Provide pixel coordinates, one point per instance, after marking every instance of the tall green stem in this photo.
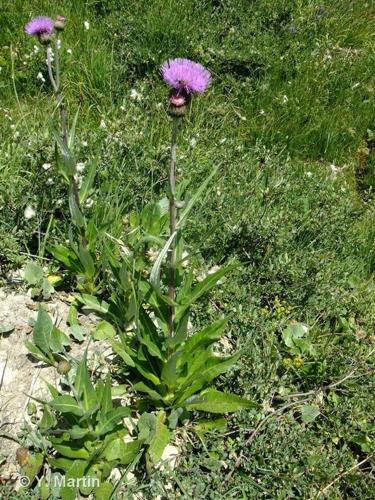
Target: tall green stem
(56, 84)
(172, 227)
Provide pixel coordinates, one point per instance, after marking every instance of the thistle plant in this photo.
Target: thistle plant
(76, 258)
(174, 367)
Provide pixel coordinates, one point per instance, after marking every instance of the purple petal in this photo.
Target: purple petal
(186, 74)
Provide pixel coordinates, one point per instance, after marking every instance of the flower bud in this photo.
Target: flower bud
(60, 23)
(178, 101)
(22, 456)
(63, 367)
(45, 38)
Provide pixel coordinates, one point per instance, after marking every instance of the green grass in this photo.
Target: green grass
(292, 94)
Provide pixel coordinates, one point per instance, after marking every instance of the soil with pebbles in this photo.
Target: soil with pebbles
(21, 376)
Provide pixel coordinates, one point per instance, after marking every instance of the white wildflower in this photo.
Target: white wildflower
(16, 135)
(333, 168)
(89, 203)
(69, 51)
(84, 144)
(36, 49)
(40, 77)
(80, 167)
(285, 99)
(46, 166)
(152, 254)
(49, 181)
(309, 174)
(102, 124)
(135, 95)
(29, 212)
(86, 25)
(58, 43)
(193, 142)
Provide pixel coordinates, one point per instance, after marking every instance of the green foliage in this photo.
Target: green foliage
(34, 276)
(85, 432)
(48, 341)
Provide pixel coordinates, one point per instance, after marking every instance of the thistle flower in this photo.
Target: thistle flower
(42, 27)
(186, 75)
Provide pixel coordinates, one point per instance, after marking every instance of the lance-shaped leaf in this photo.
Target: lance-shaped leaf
(43, 330)
(193, 200)
(66, 404)
(214, 401)
(203, 287)
(155, 271)
(160, 439)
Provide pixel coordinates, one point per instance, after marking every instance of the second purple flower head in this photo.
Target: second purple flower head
(39, 26)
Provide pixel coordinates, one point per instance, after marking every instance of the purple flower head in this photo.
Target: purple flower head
(186, 75)
(39, 26)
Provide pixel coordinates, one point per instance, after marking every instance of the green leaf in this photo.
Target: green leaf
(155, 271)
(160, 439)
(42, 330)
(203, 376)
(88, 181)
(66, 404)
(75, 211)
(33, 466)
(104, 491)
(142, 387)
(66, 450)
(87, 261)
(93, 303)
(309, 413)
(72, 131)
(33, 273)
(203, 287)
(85, 389)
(204, 338)
(38, 353)
(120, 451)
(193, 200)
(47, 289)
(66, 257)
(111, 419)
(106, 398)
(104, 331)
(48, 420)
(168, 374)
(121, 351)
(214, 401)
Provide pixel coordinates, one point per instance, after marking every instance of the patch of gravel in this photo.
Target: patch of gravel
(21, 376)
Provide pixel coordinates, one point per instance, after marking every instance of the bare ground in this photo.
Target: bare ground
(21, 376)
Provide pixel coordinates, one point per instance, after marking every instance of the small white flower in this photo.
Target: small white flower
(102, 124)
(262, 112)
(40, 77)
(89, 203)
(218, 192)
(84, 144)
(49, 181)
(285, 99)
(122, 108)
(135, 95)
(13, 126)
(58, 43)
(59, 202)
(46, 166)
(29, 212)
(152, 254)
(309, 174)
(193, 142)
(80, 167)
(16, 135)
(222, 140)
(86, 25)
(36, 49)
(333, 168)
(69, 51)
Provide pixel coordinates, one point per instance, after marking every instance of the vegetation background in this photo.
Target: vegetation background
(289, 121)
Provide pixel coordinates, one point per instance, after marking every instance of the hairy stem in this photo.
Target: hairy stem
(172, 228)
(56, 84)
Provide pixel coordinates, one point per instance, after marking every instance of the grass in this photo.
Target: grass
(292, 94)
